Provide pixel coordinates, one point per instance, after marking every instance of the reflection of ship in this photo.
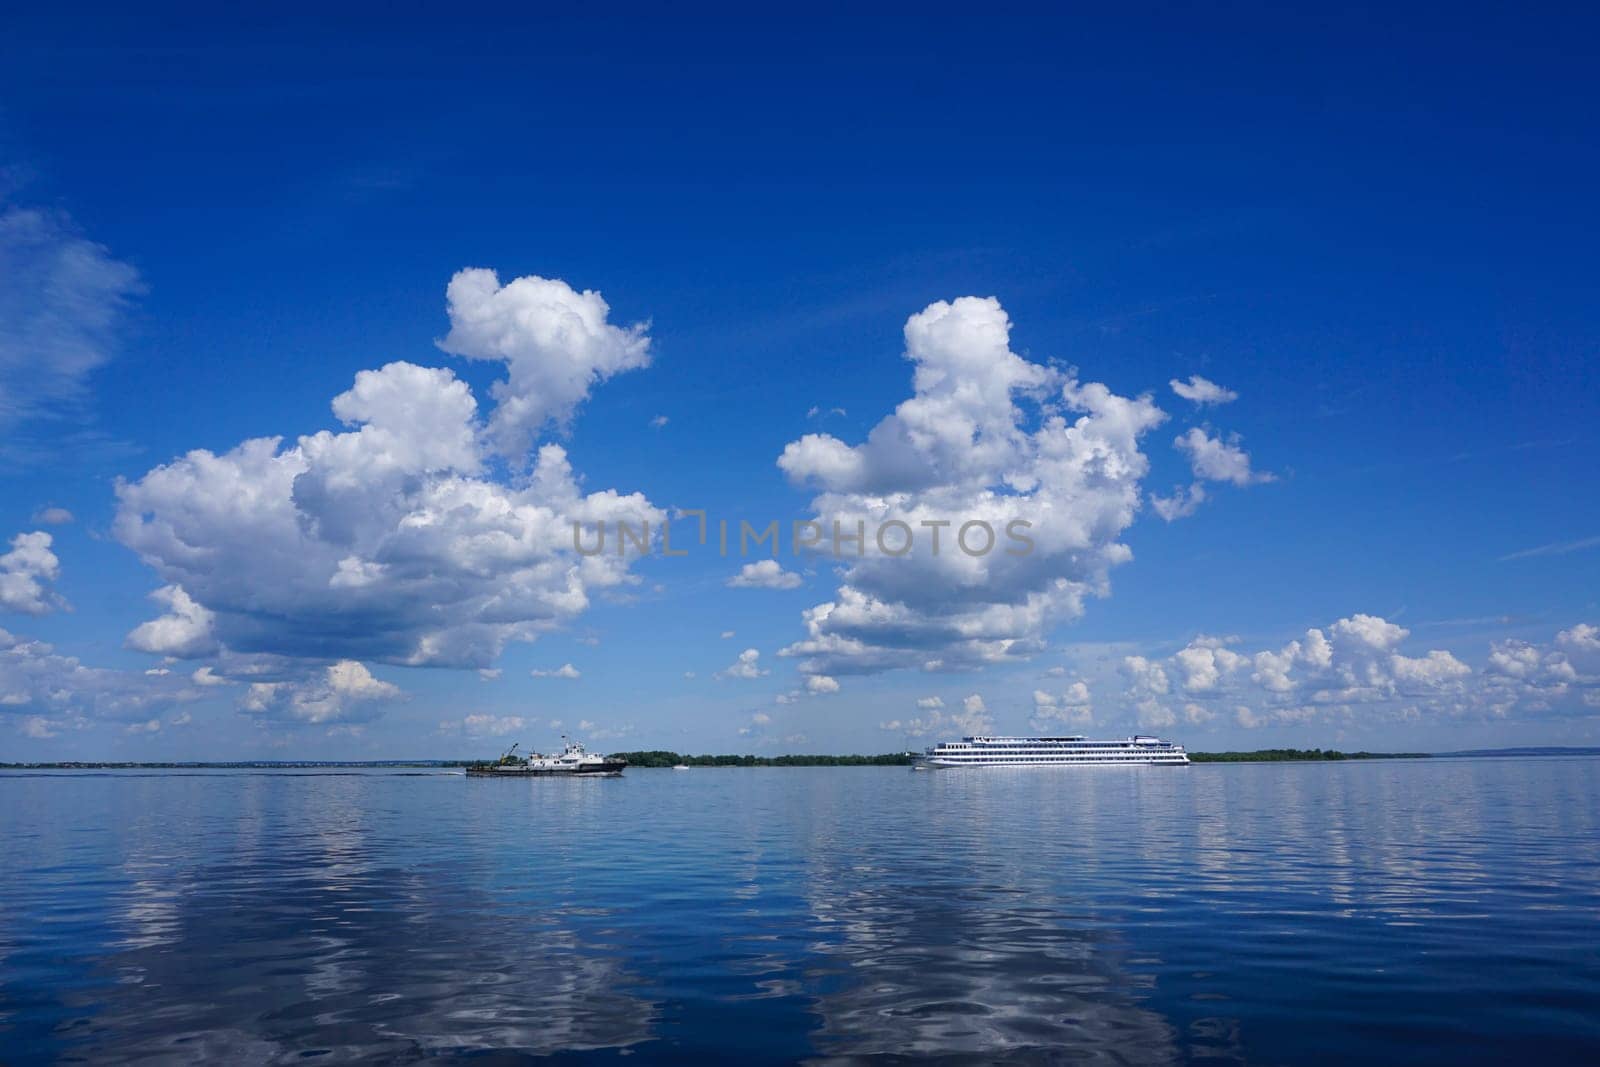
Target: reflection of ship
(574, 760)
(1051, 752)
(993, 959)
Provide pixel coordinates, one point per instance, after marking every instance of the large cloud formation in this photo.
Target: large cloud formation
(392, 540)
(959, 450)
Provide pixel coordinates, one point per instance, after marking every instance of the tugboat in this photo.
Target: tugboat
(574, 761)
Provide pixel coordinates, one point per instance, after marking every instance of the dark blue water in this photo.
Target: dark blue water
(1443, 911)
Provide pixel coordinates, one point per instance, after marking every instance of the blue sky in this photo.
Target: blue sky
(1374, 230)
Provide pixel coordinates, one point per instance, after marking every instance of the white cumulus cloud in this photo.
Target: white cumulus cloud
(1071, 707)
(25, 574)
(184, 631)
(748, 665)
(555, 341)
(342, 692)
(1181, 504)
(986, 436)
(208, 677)
(386, 542)
(35, 679)
(764, 574)
(973, 718)
(1217, 460)
(1202, 391)
(1329, 672)
(566, 670)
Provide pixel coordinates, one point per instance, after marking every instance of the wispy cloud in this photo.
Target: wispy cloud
(1203, 391)
(61, 316)
(1558, 548)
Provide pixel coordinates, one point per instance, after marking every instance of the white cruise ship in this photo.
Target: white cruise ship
(1051, 752)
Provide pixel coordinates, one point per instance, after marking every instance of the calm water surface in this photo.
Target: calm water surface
(1443, 911)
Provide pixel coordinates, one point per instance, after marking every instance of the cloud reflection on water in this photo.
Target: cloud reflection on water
(312, 939)
(1214, 913)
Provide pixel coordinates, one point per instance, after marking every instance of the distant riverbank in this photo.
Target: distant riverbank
(1296, 755)
(663, 758)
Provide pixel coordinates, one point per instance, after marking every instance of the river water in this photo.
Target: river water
(1418, 911)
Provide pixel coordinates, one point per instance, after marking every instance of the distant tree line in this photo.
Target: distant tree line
(1280, 755)
(663, 758)
(221, 765)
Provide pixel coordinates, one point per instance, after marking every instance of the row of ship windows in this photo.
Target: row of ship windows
(1052, 751)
